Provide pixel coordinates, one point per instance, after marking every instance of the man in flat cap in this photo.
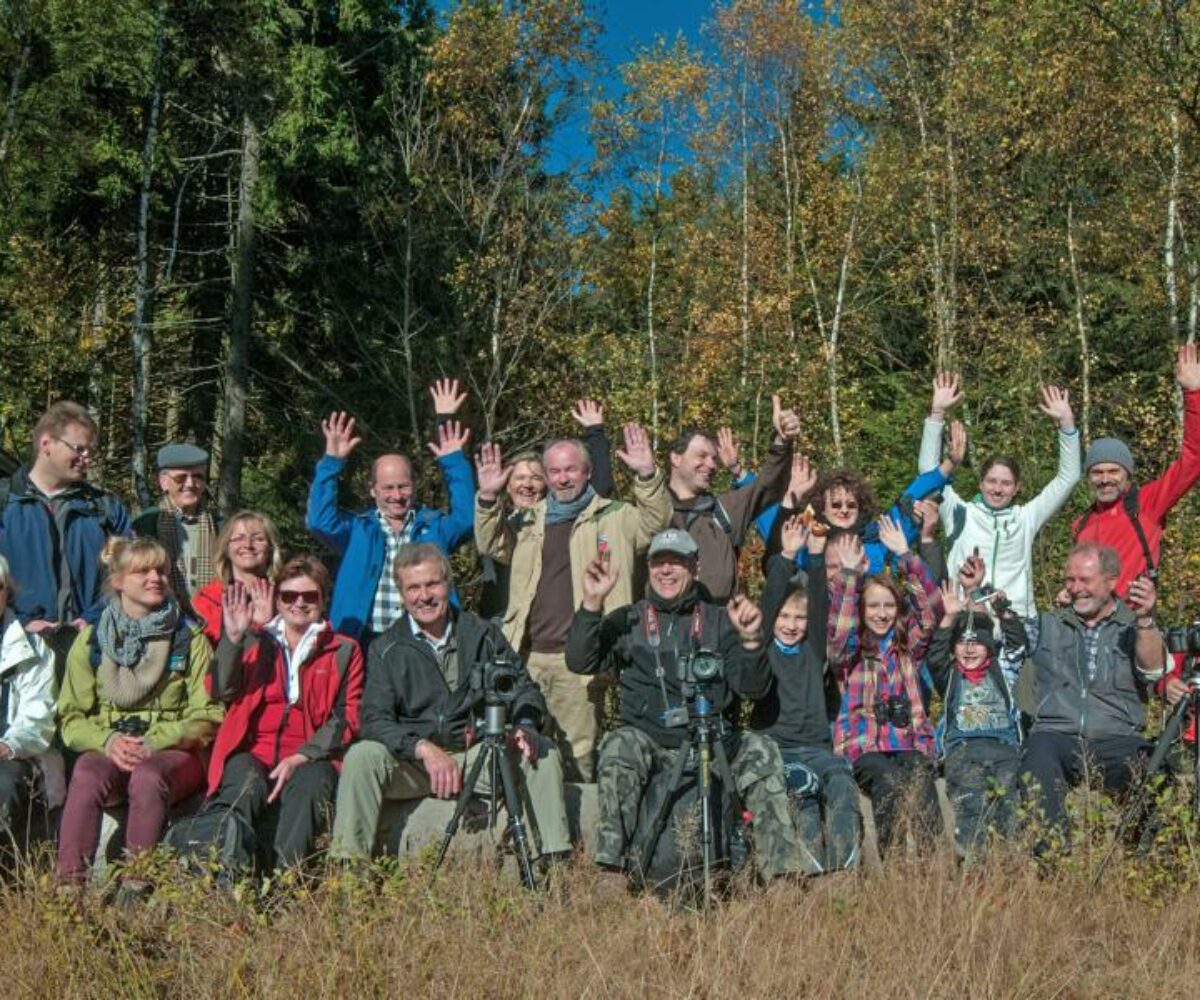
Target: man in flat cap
(183, 522)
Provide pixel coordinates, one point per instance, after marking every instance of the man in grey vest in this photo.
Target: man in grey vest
(1096, 659)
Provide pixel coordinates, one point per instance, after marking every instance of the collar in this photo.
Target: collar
(168, 504)
(1121, 614)
(420, 633)
(785, 649)
(409, 520)
(278, 632)
(16, 648)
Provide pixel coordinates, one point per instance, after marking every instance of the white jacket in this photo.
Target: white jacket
(1004, 537)
(27, 668)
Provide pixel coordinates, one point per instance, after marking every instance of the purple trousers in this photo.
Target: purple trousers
(151, 788)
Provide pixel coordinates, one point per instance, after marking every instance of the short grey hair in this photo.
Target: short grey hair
(1106, 555)
(6, 578)
(574, 442)
(419, 553)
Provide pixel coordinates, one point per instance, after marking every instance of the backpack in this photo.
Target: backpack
(717, 512)
(218, 832)
(1131, 504)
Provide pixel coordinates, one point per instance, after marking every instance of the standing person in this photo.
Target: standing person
(795, 711)
(992, 522)
(547, 548)
(292, 691)
(881, 630)
(248, 552)
(1128, 518)
(53, 527)
(365, 600)
(134, 707)
(183, 522)
(719, 522)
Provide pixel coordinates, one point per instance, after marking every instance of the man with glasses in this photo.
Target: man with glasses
(183, 522)
(53, 526)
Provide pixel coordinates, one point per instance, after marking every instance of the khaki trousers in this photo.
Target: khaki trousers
(574, 702)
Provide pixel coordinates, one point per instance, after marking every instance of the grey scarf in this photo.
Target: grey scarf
(128, 672)
(558, 511)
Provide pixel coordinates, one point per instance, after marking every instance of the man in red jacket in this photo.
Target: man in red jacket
(1128, 518)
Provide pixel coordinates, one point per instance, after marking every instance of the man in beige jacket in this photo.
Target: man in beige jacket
(547, 548)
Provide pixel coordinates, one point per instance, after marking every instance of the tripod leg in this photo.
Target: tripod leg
(460, 807)
(516, 824)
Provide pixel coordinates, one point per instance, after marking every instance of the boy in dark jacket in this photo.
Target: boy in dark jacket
(795, 713)
(982, 733)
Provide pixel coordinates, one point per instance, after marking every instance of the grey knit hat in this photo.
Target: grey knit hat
(1109, 450)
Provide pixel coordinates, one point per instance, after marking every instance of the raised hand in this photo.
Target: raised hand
(588, 413)
(793, 536)
(746, 618)
(599, 578)
(446, 397)
(951, 602)
(785, 422)
(928, 514)
(262, 593)
(340, 439)
(490, 473)
(972, 572)
(847, 552)
(727, 450)
(637, 454)
(892, 536)
(956, 450)
(1187, 367)
(1142, 597)
(1056, 403)
(452, 437)
(237, 611)
(947, 393)
(802, 481)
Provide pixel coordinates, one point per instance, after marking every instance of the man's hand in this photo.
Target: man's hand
(956, 449)
(588, 413)
(446, 397)
(281, 772)
(525, 742)
(637, 454)
(747, 620)
(237, 611)
(490, 473)
(947, 393)
(892, 536)
(972, 572)
(6, 752)
(802, 481)
(1056, 403)
(927, 512)
(599, 578)
(727, 451)
(126, 751)
(40, 625)
(1187, 367)
(1142, 599)
(847, 552)
(785, 422)
(793, 536)
(340, 439)
(452, 437)
(1174, 689)
(445, 778)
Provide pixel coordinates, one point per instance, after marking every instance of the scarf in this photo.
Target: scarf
(976, 674)
(888, 656)
(558, 511)
(677, 605)
(785, 649)
(133, 652)
(173, 535)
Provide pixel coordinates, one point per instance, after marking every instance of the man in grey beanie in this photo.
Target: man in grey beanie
(1131, 518)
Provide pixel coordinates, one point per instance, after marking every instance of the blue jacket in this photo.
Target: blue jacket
(358, 537)
(31, 539)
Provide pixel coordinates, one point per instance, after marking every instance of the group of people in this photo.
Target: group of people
(181, 665)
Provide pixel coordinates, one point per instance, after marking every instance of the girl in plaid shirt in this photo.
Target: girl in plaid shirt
(880, 627)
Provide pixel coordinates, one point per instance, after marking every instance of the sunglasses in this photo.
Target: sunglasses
(299, 596)
(179, 478)
(842, 505)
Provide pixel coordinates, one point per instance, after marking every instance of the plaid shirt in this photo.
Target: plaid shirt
(388, 604)
(881, 670)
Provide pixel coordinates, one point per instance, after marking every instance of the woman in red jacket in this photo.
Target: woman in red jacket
(248, 551)
(293, 690)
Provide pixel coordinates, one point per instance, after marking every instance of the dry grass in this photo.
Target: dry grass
(910, 930)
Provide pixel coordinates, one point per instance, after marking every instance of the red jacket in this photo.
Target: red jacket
(1109, 524)
(331, 686)
(206, 603)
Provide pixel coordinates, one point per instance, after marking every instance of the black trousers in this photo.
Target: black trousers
(286, 829)
(17, 783)
(901, 785)
(1056, 763)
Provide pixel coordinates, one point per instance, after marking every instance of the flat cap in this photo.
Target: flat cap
(181, 456)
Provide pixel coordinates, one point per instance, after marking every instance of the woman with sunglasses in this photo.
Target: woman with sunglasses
(292, 689)
(249, 552)
(134, 707)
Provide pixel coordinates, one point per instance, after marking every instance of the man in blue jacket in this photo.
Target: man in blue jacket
(366, 599)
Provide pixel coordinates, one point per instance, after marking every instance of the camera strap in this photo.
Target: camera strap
(654, 640)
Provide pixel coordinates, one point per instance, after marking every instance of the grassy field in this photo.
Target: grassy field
(910, 930)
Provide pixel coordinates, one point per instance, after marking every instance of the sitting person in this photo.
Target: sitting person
(881, 629)
(422, 709)
(134, 707)
(27, 694)
(248, 552)
(982, 742)
(644, 643)
(292, 691)
(795, 712)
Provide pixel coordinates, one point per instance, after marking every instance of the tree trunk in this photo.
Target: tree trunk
(745, 297)
(10, 106)
(1170, 269)
(1085, 416)
(237, 364)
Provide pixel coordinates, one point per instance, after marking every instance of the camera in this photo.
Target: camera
(1183, 639)
(500, 680)
(989, 595)
(700, 667)
(131, 725)
(895, 709)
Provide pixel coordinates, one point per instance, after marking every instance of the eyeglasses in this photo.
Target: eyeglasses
(248, 539)
(843, 505)
(179, 478)
(83, 451)
(299, 597)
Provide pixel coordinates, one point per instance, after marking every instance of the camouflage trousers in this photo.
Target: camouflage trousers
(981, 783)
(628, 760)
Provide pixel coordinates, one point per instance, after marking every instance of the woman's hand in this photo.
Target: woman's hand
(237, 611)
(282, 771)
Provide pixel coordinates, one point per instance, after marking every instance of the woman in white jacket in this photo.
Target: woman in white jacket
(27, 697)
(1002, 531)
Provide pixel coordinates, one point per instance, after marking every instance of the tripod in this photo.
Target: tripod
(493, 752)
(1171, 734)
(705, 747)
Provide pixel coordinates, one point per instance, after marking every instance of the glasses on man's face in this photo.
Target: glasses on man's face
(180, 478)
(80, 451)
(290, 597)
